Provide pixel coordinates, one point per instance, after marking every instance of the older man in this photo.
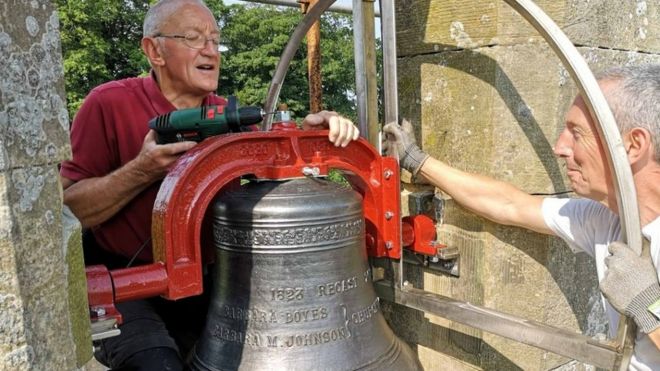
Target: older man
(628, 282)
(112, 181)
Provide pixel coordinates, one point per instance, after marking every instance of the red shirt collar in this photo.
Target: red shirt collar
(161, 104)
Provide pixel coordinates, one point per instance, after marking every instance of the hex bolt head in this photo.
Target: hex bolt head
(311, 171)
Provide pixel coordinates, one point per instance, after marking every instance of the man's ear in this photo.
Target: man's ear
(638, 145)
(152, 50)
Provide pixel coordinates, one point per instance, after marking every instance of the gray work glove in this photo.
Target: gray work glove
(631, 285)
(399, 141)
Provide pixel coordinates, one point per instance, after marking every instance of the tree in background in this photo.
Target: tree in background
(101, 42)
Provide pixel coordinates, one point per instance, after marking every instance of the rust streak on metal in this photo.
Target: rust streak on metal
(314, 63)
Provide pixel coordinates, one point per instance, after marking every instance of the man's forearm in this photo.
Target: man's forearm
(95, 200)
(495, 200)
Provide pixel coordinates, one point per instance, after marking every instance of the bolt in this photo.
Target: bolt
(389, 245)
(388, 215)
(388, 174)
(311, 171)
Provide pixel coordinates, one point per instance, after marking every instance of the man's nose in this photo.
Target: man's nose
(563, 146)
(211, 47)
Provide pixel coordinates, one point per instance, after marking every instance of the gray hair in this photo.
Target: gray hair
(635, 99)
(160, 12)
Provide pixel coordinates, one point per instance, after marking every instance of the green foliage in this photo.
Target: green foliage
(337, 176)
(101, 42)
(255, 37)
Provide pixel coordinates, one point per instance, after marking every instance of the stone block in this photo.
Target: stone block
(430, 26)
(39, 315)
(49, 328)
(616, 25)
(35, 200)
(8, 278)
(12, 326)
(34, 302)
(516, 281)
(33, 118)
(485, 111)
(19, 359)
(77, 287)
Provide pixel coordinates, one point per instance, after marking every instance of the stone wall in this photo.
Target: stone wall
(487, 95)
(43, 312)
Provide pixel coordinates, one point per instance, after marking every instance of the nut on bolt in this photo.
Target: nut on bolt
(98, 311)
(311, 171)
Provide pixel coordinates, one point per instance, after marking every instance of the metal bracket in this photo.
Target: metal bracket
(103, 329)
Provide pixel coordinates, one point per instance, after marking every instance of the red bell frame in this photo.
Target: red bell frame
(201, 173)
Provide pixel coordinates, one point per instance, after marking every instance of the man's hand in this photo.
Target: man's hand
(122, 185)
(631, 284)
(399, 141)
(154, 160)
(342, 130)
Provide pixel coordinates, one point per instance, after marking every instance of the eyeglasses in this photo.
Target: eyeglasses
(194, 41)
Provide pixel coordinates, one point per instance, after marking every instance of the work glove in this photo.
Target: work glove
(631, 284)
(399, 142)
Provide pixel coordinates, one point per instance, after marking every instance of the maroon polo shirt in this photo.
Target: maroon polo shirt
(108, 132)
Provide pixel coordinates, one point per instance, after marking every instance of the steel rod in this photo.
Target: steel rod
(560, 341)
(336, 8)
(366, 86)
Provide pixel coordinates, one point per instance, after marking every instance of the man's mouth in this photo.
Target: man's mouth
(206, 67)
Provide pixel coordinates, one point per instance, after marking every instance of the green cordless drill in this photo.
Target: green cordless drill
(197, 124)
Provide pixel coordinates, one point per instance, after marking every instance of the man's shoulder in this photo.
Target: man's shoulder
(577, 211)
(120, 86)
(582, 204)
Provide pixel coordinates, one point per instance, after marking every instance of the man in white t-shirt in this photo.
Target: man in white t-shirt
(629, 283)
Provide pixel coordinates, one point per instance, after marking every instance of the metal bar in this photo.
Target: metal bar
(336, 8)
(560, 341)
(314, 64)
(366, 90)
(143, 281)
(608, 132)
(388, 35)
(391, 92)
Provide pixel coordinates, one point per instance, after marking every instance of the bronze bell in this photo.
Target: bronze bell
(292, 287)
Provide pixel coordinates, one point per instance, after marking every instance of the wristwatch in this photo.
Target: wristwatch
(655, 309)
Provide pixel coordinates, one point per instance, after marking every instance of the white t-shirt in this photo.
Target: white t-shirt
(588, 226)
